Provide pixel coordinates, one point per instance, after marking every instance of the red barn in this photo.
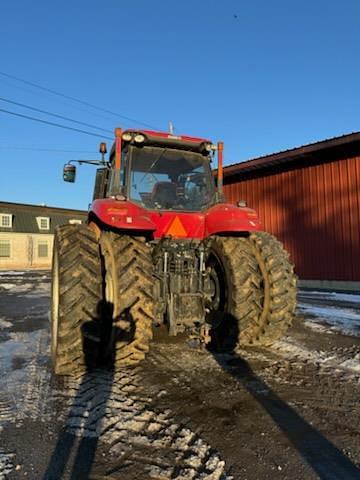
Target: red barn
(309, 197)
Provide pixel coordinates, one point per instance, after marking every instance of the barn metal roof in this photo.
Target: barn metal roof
(24, 217)
(328, 149)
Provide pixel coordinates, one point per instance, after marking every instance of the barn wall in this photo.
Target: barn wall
(315, 211)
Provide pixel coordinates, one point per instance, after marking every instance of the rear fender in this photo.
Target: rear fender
(122, 215)
(228, 218)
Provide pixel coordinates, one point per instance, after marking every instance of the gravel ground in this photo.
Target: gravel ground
(289, 412)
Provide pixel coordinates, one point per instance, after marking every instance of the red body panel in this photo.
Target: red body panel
(220, 218)
(165, 135)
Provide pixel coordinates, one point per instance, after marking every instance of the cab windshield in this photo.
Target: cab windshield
(169, 179)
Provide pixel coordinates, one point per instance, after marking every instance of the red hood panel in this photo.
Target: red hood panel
(220, 218)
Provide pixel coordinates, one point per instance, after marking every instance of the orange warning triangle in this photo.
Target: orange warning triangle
(176, 228)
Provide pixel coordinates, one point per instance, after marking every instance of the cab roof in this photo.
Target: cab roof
(170, 140)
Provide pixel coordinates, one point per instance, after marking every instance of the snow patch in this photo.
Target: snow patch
(351, 364)
(7, 286)
(20, 344)
(345, 320)
(4, 323)
(292, 349)
(14, 288)
(6, 464)
(29, 290)
(332, 296)
(317, 327)
(8, 273)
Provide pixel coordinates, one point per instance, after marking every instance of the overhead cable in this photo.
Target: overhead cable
(74, 99)
(53, 114)
(58, 125)
(34, 149)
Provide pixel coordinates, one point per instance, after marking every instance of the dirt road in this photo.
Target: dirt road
(291, 412)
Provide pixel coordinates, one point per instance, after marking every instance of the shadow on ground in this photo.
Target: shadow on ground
(324, 458)
(74, 455)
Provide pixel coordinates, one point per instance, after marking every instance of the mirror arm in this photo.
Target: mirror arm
(103, 163)
(69, 170)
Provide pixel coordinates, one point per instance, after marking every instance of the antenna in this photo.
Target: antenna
(171, 128)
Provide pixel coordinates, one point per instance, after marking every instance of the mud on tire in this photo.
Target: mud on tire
(279, 283)
(257, 290)
(129, 288)
(76, 299)
(238, 292)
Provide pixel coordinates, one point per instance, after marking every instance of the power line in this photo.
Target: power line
(65, 102)
(53, 114)
(59, 94)
(54, 124)
(34, 149)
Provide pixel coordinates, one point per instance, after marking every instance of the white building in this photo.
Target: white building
(27, 231)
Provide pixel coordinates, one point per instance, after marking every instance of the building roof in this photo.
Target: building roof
(24, 217)
(324, 150)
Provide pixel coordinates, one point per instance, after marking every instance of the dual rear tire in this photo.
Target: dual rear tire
(101, 300)
(103, 306)
(254, 291)
(128, 289)
(76, 300)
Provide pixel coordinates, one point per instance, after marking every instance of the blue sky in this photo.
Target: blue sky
(260, 75)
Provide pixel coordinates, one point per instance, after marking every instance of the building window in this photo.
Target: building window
(43, 223)
(43, 249)
(75, 221)
(5, 220)
(4, 248)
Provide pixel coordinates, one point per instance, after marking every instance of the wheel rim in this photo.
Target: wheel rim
(224, 327)
(215, 292)
(218, 291)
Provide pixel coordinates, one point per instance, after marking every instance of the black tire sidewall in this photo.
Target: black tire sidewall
(224, 336)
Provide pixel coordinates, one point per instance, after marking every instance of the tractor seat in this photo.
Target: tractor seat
(164, 194)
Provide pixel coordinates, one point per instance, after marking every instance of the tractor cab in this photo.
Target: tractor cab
(162, 184)
(159, 172)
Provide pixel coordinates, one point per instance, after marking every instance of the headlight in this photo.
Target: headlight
(126, 136)
(139, 138)
(209, 147)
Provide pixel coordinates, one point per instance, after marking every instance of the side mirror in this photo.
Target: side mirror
(69, 173)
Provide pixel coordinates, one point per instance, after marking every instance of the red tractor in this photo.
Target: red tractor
(162, 247)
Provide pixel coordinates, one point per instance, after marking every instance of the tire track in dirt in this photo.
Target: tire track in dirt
(23, 391)
(118, 409)
(335, 360)
(6, 464)
(111, 407)
(302, 392)
(115, 409)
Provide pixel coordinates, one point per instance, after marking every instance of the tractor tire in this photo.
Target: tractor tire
(237, 294)
(76, 300)
(280, 288)
(129, 289)
(256, 291)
